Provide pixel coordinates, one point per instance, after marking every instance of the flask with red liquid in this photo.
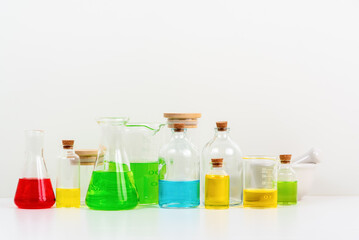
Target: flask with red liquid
(34, 189)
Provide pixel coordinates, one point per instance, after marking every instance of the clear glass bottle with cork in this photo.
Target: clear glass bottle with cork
(178, 171)
(68, 178)
(222, 146)
(217, 186)
(286, 182)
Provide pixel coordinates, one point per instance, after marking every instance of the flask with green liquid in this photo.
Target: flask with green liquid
(287, 182)
(112, 185)
(143, 141)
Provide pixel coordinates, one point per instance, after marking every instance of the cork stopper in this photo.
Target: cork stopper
(285, 158)
(68, 144)
(217, 162)
(221, 125)
(178, 127)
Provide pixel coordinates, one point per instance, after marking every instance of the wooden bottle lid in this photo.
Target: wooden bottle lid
(189, 119)
(178, 127)
(285, 158)
(217, 162)
(87, 156)
(221, 125)
(68, 144)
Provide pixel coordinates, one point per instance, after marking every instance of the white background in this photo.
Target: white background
(283, 73)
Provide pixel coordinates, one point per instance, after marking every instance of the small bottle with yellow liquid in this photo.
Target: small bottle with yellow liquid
(260, 188)
(68, 178)
(216, 186)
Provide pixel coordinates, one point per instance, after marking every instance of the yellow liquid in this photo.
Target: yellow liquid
(260, 198)
(216, 192)
(68, 197)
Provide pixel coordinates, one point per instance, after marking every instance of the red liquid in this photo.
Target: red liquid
(34, 193)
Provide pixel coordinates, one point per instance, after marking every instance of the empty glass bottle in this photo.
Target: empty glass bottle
(286, 182)
(217, 186)
(34, 189)
(260, 178)
(68, 178)
(222, 146)
(112, 185)
(178, 171)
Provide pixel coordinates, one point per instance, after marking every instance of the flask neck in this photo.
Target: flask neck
(222, 134)
(34, 142)
(179, 135)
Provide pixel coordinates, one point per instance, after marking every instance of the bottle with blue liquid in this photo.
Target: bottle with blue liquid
(179, 171)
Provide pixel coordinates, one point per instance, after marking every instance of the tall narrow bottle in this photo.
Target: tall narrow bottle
(68, 178)
(217, 186)
(287, 182)
(222, 146)
(34, 189)
(112, 186)
(178, 171)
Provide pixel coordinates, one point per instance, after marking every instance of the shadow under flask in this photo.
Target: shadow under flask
(68, 179)
(112, 186)
(222, 146)
(286, 182)
(178, 171)
(34, 189)
(217, 186)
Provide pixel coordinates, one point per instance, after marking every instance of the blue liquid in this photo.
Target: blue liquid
(178, 194)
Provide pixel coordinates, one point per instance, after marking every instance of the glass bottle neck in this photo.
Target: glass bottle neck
(179, 135)
(222, 134)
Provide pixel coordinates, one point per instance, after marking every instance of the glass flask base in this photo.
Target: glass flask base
(68, 198)
(34, 193)
(146, 180)
(216, 206)
(178, 194)
(260, 198)
(287, 192)
(112, 191)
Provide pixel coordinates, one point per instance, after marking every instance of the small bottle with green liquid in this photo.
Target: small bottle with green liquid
(216, 186)
(286, 182)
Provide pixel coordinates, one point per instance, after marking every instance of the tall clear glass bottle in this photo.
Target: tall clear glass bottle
(222, 146)
(34, 189)
(112, 185)
(68, 178)
(217, 186)
(178, 171)
(286, 182)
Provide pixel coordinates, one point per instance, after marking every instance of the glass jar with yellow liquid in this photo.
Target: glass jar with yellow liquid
(216, 186)
(260, 177)
(68, 178)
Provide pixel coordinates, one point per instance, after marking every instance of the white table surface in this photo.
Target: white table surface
(313, 218)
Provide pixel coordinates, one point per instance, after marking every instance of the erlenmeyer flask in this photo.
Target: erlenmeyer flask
(34, 189)
(112, 185)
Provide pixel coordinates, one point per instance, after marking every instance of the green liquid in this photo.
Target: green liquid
(287, 193)
(146, 179)
(109, 190)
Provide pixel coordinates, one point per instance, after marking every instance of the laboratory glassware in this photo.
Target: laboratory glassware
(190, 121)
(222, 146)
(217, 186)
(112, 186)
(34, 189)
(286, 182)
(87, 162)
(68, 178)
(260, 177)
(143, 141)
(178, 171)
